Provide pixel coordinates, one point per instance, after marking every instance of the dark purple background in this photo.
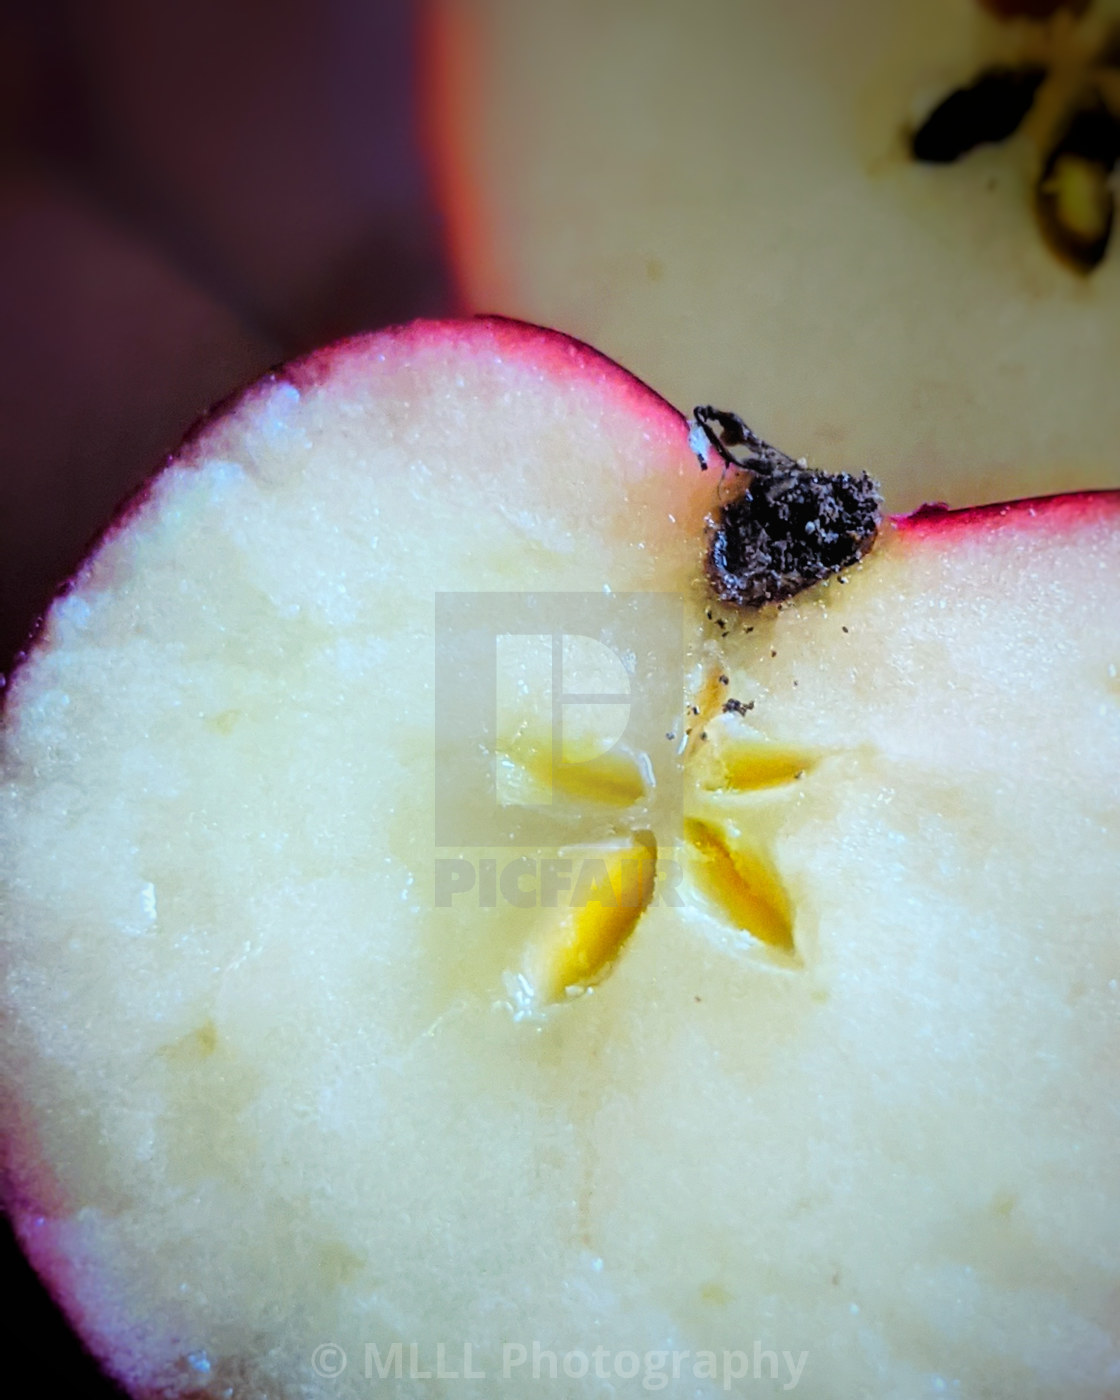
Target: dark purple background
(190, 191)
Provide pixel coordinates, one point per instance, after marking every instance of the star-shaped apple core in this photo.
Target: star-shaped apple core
(721, 860)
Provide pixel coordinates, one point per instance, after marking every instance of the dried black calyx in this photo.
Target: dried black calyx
(785, 526)
(1073, 196)
(990, 109)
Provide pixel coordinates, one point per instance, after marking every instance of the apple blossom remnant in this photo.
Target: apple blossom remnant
(1073, 199)
(785, 526)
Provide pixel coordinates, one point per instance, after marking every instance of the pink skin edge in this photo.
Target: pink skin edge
(1064, 511)
(552, 352)
(558, 355)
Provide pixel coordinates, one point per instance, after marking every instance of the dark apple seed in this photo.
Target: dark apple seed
(990, 109)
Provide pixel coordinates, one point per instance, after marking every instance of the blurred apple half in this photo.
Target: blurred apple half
(720, 194)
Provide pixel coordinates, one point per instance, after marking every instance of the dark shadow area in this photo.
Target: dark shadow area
(188, 194)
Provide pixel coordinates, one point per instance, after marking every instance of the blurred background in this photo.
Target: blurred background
(191, 191)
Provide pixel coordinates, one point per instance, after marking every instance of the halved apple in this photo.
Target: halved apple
(785, 1055)
(721, 195)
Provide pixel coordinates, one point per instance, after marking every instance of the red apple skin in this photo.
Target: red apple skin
(1057, 512)
(559, 355)
(554, 353)
(32, 1196)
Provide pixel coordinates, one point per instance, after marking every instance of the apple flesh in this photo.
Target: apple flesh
(721, 197)
(836, 1081)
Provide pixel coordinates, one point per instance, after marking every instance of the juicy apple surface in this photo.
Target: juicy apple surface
(838, 1080)
(720, 195)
